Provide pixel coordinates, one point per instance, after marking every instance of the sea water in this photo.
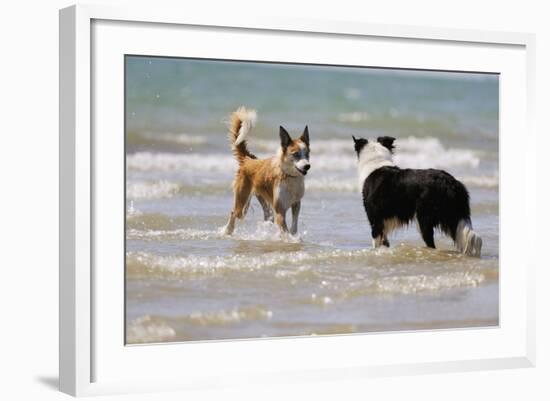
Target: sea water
(186, 280)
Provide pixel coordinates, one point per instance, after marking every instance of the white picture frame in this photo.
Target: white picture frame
(81, 341)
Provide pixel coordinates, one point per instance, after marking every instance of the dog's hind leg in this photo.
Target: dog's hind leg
(295, 213)
(467, 241)
(427, 230)
(245, 208)
(230, 226)
(242, 189)
(377, 233)
(268, 214)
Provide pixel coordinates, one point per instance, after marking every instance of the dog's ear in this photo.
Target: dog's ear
(305, 136)
(359, 143)
(387, 142)
(285, 137)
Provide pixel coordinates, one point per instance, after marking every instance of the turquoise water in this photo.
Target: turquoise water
(187, 281)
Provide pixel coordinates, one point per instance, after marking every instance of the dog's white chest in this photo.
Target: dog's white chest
(289, 192)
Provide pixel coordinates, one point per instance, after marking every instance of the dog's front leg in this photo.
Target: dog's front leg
(295, 213)
(280, 219)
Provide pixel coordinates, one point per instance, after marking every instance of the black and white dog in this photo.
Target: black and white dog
(393, 197)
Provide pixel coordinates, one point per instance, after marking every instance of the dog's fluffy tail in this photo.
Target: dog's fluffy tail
(240, 124)
(467, 241)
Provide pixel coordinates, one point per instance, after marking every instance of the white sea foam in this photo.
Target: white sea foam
(334, 284)
(151, 190)
(225, 317)
(180, 138)
(414, 152)
(412, 284)
(177, 234)
(261, 231)
(204, 265)
(339, 184)
(148, 329)
(155, 328)
(208, 265)
(149, 161)
(424, 283)
(334, 156)
(327, 155)
(481, 181)
(166, 189)
(265, 231)
(330, 184)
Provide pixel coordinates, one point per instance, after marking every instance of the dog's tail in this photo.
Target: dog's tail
(240, 124)
(467, 241)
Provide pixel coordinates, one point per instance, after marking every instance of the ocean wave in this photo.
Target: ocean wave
(166, 137)
(327, 155)
(330, 184)
(152, 328)
(151, 190)
(299, 261)
(139, 263)
(334, 283)
(147, 161)
(164, 189)
(415, 284)
(430, 153)
(176, 234)
(350, 184)
(225, 317)
(148, 329)
(481, 181)
(184, 139)
(333, 292)
(261, 231)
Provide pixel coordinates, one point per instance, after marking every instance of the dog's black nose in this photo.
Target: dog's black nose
(307, 167)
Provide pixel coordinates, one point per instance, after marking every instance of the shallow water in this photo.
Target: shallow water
(187, 281)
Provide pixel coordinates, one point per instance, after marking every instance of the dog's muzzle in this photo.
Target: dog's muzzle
(304, 169)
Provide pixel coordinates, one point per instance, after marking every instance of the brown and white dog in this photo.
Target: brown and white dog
(277, 182)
